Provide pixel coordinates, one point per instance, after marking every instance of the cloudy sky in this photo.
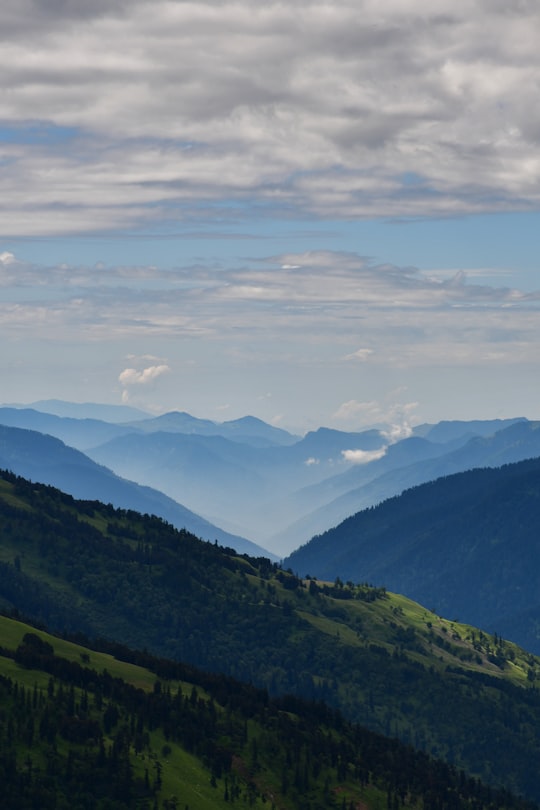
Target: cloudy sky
(316, 213)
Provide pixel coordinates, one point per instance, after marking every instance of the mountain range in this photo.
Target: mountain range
(257, 481)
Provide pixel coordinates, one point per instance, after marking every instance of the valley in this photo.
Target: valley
(340, 631)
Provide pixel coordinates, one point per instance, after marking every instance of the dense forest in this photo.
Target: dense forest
(447, 689)
(72, 736)
(466, 545)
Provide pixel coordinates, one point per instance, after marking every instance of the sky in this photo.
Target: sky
(315, 213)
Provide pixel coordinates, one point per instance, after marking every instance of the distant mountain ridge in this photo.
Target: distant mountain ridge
(450, 430)
(84, 410)
(247, 429)
(227, 481)
(409, 463)
(255, 480)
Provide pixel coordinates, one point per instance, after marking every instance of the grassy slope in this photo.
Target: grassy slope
(182, 773)
(263, 773)
(184, 776)
(382, 659)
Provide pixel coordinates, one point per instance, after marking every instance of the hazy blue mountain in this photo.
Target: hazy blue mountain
(85, 432)
(330, 501)
(87, 410)
(446, 431)
(408, 463)
(79, 433)
(466, 545)
(250, 430)
(247, 430)
(175, 422)
(47, 460)
(255, 480)
(233, 484)
(282, 495)
(327, 444)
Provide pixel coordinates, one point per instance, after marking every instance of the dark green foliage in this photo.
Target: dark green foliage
(312, 748)
(87, 568)
(466, 545)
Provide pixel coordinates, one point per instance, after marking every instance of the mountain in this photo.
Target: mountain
(47, 460)
(384, 661)
(446, 431)
(247, 430)
(84, 433)
(87, 410)
(101, 725)
(79, 433)
(257, 481)
(466, 545)
(328, 502)
(228, 482)
(407, 463)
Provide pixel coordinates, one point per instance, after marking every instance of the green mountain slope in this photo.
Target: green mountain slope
(81, 728)
(383, 660)
(466, 545)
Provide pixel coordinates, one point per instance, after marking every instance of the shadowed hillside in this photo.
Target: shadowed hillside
(466, 545)
(382, 660)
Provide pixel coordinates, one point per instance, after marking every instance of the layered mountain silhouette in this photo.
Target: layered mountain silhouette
(407, 463)
(258, 481)
(245, 488)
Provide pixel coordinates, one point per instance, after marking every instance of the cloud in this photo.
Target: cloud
(363, 456)
(360, 354)
(396, 433)
(326, 110)
(315, 308)
(393, 418)
(132, 376)
(352, 409)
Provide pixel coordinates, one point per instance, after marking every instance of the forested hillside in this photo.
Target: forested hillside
(389, 663)
(83, 729)
(466, 545)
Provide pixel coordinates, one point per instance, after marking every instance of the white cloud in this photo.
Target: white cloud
(320, 310)
(360, 354)
(394, 417)
(332, 328)
(377, 108)
(366, 412)
(396, 433)
(132, 376)
(363, 456)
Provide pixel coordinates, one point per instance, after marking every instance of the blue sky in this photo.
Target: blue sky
(315, 213)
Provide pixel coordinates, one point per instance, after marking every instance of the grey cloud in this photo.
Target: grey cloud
(269, 99)
(335, 301)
